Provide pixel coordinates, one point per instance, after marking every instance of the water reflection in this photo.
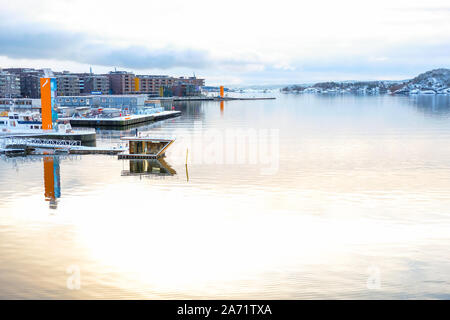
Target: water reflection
(158, 167)
(194, 109)
(433, 105)
(363, 182)
(52, 180)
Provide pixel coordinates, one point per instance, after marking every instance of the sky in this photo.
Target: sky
(230, 42)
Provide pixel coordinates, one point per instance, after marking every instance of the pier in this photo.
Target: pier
(84, 135)
(187, 99)
(122, 121)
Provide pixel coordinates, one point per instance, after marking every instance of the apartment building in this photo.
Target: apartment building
(190, 80)
(30, 86)
(151, 84)
(154, 84)
(9, 85)
(96, 83)
(182, 89)
(130, 103)
(67, 84)
(122, 82)
(25, 82)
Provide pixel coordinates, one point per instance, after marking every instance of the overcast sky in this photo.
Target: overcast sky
(230, 42)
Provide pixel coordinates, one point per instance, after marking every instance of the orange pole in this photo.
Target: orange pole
(221, 91)
(46, 104)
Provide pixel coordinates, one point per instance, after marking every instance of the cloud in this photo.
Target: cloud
(40, 42)
(362, 60)
(404, 58)
(397, 62)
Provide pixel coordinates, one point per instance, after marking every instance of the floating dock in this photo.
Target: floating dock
(121, 121)
(25, 146)
(84, 136)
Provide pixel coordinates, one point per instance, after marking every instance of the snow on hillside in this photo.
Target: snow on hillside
(431, 82)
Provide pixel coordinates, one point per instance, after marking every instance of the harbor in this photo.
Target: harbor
(87, 205)
(77, 118)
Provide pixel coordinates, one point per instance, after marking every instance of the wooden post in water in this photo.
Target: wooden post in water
(187, 174)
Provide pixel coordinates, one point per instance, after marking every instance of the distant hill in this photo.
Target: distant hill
(434, 81)
(431, 82)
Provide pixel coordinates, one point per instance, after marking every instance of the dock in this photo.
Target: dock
(96, 150)
(25, 146)
(84, 136)
(122, 121)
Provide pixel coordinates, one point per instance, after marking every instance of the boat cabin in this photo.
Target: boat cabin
(144, 147)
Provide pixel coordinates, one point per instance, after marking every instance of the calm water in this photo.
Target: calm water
(351, 200)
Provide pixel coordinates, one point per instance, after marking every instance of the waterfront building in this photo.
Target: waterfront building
(122, 82)
(20, 103)
(29, 81)
(124, 102)
(96, 83)
(68, 84)
(9, 85)
(25, 82)
(182, 89)
(190, 80)
(151, 84)
(30, 84)
(155, 85)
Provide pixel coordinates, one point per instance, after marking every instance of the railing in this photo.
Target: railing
(150, 136)
(36, 142)
(82, 129)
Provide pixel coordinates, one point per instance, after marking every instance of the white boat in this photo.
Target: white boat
(27, 123)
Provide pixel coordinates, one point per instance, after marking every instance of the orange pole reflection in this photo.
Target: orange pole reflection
(49, 179)
(52, 181)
